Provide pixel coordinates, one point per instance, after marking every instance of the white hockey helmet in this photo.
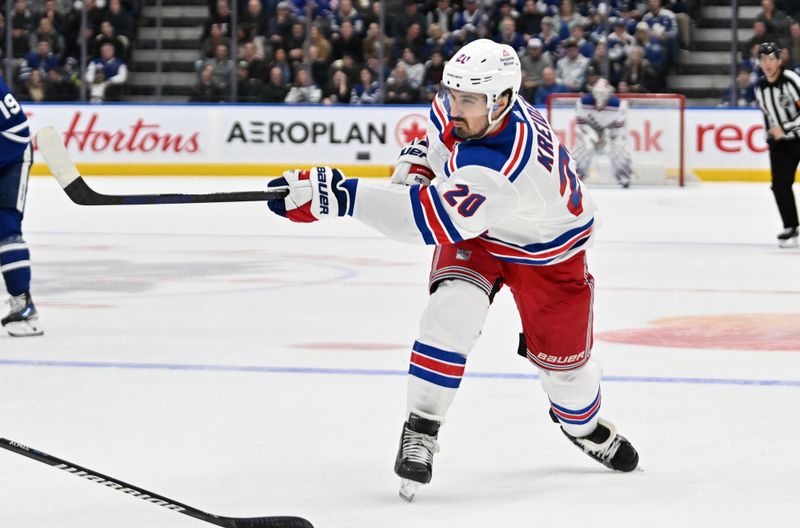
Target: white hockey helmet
(601, 91)
(488, 68)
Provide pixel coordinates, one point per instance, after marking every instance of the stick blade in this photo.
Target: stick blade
(51, 147)
(271, 522)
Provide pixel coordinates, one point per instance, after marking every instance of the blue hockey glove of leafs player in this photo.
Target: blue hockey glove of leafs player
(412, 166)
(315, 194)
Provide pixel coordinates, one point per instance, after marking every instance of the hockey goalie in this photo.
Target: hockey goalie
(601, 129)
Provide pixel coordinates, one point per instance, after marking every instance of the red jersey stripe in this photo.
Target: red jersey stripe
(437, 366)
(439, 232)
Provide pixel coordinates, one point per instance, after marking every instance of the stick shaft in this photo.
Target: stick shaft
(149, 496)
(80, 192)
(52, 149)
(107, 481)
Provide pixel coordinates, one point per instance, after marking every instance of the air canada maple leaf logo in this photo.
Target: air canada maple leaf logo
(409, 128)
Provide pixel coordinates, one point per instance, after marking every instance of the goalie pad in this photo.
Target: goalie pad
(589, 142)
(621, 162)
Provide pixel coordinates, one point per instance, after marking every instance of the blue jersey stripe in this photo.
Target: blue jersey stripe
(435, 120)
(436, 379)
(455, 236)
(419, 216)
(535, 261)
(578, 422)
(495, 150)
(579, 411)
(542, 246)
(438, 353)
(526, 154)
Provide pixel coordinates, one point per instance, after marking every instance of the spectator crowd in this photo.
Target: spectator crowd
(773, 24)
(333, 51)
(46, 44)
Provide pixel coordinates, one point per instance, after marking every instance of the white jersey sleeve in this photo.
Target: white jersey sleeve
(460, 207)
(514, 191)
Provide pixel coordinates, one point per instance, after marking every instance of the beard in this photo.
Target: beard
(464, 134)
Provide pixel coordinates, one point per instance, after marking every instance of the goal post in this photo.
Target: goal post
(655, 136)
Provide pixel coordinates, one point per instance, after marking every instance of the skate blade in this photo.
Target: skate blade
(408, 488)
(24, 329)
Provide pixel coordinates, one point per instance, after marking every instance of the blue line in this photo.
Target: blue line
(377, 372)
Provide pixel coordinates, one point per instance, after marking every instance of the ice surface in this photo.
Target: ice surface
(247, 366)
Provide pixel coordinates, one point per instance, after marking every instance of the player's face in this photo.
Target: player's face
(468, 113)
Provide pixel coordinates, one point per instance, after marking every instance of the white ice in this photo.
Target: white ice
(248, 366)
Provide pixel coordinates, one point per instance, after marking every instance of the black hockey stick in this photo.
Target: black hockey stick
(52, 149)
(149, 496)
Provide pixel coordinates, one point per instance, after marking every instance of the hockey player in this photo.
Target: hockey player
(497, 195)
(601, 127)
(16, 156)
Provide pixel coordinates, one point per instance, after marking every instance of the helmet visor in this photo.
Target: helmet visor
(460, 104)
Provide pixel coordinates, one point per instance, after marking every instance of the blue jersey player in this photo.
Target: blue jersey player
(16, 155)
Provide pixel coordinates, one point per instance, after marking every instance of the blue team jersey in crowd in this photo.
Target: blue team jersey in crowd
(14, 132)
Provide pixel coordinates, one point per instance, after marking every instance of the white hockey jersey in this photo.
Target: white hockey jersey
(515, 190)
(611, 117)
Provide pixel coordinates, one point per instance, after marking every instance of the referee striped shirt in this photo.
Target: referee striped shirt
(780, 103)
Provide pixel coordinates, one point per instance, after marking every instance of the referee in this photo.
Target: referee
(778, 95)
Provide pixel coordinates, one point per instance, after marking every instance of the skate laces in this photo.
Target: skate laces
(604, 450)
(608, 452)
(419, 447)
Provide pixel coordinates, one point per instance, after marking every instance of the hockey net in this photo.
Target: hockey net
(655, 139)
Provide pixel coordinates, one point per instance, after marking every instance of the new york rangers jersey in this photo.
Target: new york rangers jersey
(515, 191)
(611, 117)
(14, 133)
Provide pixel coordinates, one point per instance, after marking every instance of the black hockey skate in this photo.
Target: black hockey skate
(788, 238)
(606, 446)
(414, 463)
(23, 319)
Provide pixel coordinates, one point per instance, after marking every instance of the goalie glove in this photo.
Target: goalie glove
(412, 165)
(315, 194)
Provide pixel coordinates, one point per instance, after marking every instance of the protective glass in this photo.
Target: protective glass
(462, 104)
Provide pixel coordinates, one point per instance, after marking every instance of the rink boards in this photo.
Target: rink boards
(264, 140)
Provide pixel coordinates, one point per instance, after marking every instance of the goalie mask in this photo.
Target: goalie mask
(485, 70)
(601, 91)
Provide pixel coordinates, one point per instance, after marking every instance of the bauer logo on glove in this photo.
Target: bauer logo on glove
(321, 192)
(412, 165)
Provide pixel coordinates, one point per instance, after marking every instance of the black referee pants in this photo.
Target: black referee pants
(784, 157)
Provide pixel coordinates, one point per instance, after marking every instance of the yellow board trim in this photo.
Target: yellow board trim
(359, 171)
(733, 175)
(208, 169)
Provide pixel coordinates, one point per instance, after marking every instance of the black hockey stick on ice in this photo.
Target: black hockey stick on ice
(52, 149)
(154, 498)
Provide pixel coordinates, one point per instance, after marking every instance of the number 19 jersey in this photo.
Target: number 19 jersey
(14, 133)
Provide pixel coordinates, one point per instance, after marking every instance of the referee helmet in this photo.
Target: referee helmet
(769, 48)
